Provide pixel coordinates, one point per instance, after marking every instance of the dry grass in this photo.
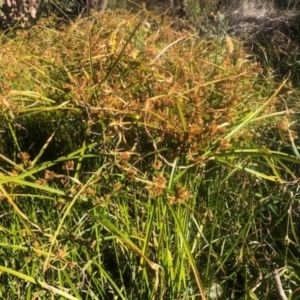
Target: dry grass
(181, 88)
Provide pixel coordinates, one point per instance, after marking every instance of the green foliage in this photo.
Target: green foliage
(24, 13)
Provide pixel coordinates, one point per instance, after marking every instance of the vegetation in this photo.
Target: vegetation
(141, 162)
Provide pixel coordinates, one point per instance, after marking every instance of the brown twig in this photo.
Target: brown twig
(279, 286)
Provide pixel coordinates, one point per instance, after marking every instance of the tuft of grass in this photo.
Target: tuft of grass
(139, 162)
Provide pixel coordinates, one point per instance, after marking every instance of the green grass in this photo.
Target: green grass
(138, 162)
